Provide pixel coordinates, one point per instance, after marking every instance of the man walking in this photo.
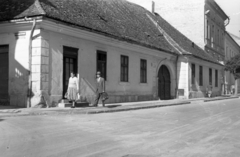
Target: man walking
(100, 84)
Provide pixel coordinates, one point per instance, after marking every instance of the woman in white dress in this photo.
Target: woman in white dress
(72, 92)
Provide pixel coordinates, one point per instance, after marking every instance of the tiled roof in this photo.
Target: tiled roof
(115, 18)
(235, 38)
(15, 9)
(186, 44)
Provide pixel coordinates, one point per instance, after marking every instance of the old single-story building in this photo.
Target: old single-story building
(41, 41)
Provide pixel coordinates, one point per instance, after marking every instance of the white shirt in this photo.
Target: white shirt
(98, 79)
(73, 82)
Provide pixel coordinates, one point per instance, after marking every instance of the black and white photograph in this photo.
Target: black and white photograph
(119, 78)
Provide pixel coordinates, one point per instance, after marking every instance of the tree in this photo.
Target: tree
(233, 66)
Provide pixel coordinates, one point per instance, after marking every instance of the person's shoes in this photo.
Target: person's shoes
(72, 106)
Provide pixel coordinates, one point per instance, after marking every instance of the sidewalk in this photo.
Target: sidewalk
(8, 111)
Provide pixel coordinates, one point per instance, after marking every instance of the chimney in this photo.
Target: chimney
(153, 7)
(193, 44)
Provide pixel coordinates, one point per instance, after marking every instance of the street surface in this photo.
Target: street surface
(195, 130)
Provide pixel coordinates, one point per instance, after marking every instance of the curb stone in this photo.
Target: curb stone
(11, 111)
(19, 112)
(136, 108)
(215, 99)
(97, 111)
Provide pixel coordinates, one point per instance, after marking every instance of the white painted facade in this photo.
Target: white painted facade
(18, 59)
(46, 68)
(231, 49)
(47, 63)
(198, 90)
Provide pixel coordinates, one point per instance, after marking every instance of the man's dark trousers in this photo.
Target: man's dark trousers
(98, 96)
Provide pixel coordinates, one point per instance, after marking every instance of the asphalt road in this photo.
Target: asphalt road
(195, 130)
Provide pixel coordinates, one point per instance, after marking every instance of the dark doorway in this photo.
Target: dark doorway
(70, 63)
(164, 83)
(102, 63)
(4, 72)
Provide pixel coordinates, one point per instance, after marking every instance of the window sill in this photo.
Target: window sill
(124, 83)
(143, 84)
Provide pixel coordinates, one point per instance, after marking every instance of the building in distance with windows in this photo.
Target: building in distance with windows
(203, 22)
(232, 49)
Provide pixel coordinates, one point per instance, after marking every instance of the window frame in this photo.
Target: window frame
(213, 35)
(103, 73)
(200, 75)
(193, 73)
(208, 30)
(143, 71)
(216, 78)
(124, 68)
(210, 76)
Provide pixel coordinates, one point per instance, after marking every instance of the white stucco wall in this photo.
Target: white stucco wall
(199, 91)
(183, 77)
(18, 61)
(47, 65)
(16, 36)
(231, 49)
(87, 47)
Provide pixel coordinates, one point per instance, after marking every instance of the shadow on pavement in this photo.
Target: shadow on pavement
(113, 106)
(135, 155)
(82, 105)
(3, 107)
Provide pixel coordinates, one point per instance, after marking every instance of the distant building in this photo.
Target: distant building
(201, 21)
(231, 49)
(235, 37)
(198, 71)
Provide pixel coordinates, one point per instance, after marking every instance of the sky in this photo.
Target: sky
(230, 7)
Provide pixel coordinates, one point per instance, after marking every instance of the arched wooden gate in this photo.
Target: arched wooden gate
(164, 83)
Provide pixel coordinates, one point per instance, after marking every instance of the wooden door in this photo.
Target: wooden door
(70, 63)
(4, 72)
(164, 83)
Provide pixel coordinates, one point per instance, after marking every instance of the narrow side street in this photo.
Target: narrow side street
(205, 130)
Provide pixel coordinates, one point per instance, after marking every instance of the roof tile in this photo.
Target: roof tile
(117, 18)
(183, 41)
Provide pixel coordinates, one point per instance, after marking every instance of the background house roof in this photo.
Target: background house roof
(116, 18)
(234, 37)
(185, 43)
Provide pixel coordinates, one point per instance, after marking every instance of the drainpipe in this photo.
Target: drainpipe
(176, 91)
(228, 21)
(29, 94)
